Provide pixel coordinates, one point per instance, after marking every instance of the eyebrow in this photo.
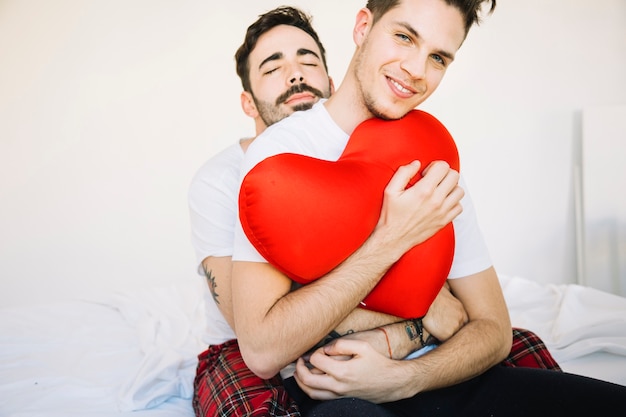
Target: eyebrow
(279, 55)
(413, 32)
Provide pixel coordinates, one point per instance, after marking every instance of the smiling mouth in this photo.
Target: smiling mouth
(400, 88)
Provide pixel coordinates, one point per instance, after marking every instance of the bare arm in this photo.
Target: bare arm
(267, 314)
(218, 272)
(483, 342)
(445, 317)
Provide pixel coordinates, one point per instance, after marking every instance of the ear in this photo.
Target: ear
(362, 26)
(332, 85)
(247, 105)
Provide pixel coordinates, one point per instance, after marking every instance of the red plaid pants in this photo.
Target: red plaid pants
(225, 387)
(529, 351)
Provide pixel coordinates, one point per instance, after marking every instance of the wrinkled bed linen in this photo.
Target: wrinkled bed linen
(573, 320)
(125, 352)
(136, 350)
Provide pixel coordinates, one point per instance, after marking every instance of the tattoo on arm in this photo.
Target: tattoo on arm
(212, 285)
(415, 331)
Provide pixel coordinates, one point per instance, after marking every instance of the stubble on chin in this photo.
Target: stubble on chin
(379, 111)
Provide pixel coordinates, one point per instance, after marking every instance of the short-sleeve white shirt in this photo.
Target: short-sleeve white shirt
(315, 134)
(212, 198)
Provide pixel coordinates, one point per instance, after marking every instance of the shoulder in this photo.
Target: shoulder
(311, 132)
(220, 170)
(227, 157)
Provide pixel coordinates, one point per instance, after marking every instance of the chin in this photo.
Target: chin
(388, 114)
(303, 106)
(388, 111)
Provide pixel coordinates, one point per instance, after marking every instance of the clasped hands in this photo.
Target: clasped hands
(358, 364)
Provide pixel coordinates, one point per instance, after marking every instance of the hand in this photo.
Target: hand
(351, 368)
(374, 337)
(412, 215)
(445, 316)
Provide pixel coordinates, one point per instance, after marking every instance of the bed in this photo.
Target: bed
(133, 353)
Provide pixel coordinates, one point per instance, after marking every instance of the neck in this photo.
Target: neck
(346, 105)
(259, 125)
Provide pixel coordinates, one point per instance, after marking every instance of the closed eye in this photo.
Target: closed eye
(271, 71)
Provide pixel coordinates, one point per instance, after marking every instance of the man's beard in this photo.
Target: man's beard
(371, 103)
(272, 113)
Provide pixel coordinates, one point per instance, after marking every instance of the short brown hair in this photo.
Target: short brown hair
(469, 9)
(284, 15)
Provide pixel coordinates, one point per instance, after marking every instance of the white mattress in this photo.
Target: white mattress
(134, 353)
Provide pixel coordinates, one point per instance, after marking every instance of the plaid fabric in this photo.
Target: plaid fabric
(529, 351)
(225, 387)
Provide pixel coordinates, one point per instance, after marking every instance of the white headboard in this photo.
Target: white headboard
(602, 199)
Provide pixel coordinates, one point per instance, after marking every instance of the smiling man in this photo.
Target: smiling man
(403, 49)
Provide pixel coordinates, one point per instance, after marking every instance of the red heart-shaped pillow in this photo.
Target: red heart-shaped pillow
(305, 215)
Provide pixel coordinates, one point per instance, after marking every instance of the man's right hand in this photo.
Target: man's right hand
(409, 216)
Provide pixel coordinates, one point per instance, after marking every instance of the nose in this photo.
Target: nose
(296, 79)
(415, 66)
(297, 74)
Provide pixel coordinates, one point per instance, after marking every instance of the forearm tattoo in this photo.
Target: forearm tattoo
(415, 331)
(210, 278)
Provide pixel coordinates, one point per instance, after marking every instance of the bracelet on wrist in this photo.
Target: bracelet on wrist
(387, 339)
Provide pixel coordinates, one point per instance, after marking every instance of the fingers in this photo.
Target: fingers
(402, 177)
(440, 176)
(409, 216)
(325, 358)
(442, 183)
(437, 192)
(329, 372)
(437, 178)
(343, 348)
(314, 382)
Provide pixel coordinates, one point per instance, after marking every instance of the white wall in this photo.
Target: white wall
(107, 108)
(513, 102)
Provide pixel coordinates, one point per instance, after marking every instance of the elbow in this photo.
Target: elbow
(505, 344)
(262, 364)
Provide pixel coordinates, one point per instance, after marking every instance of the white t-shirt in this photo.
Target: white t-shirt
(315, 134)
(212, 200)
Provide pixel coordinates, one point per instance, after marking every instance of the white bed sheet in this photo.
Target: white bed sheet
(134, 353)
(584, 328)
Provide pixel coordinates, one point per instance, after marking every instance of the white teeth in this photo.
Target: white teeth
(399, 87)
